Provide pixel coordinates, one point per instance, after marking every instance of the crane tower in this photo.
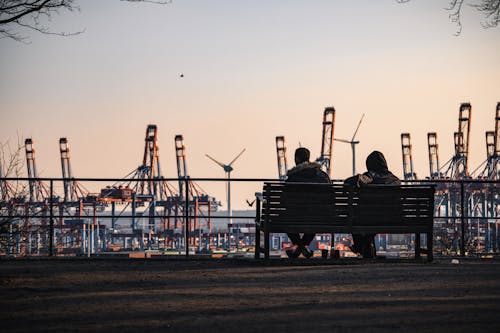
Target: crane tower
(150, 168)
(180, 154)
(458, 168)
(408, 172)
(492, 169)
(433, 146)
(281, 155)
(69, 186)
(36, 188)
(327, 139)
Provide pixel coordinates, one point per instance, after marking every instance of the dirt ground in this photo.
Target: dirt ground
(132, 295)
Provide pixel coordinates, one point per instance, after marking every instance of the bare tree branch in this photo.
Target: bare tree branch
(490, 9)
(36, 15)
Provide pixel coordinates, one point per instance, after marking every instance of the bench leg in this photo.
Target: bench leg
(257, 242)
(332, 244)
(266, 244)
(430, 241)
(417, 245)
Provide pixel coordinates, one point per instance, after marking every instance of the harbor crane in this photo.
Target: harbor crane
(408, 172)
(491, 170)
(37, 190)
(73, 191)
(197, 196)
(325, 159)
(281, 156)
(433, 147)
(458, 167)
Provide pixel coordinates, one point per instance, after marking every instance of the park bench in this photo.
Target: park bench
(335, 208)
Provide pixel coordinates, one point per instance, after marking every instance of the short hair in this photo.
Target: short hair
(302, 155)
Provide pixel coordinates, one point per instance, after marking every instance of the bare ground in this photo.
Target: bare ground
(125, 295)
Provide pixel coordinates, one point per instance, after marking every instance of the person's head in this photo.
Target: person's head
(302, 155)
(376, 162)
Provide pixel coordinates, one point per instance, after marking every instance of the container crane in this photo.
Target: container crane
(494, 149)
(433, 146)
(327, 140)
(492, 169)
(197, 196)
(458, 167)
(72, 190)
(38, 192)
(281, 156)
(408, 172)
(180, 155)
(150, 168)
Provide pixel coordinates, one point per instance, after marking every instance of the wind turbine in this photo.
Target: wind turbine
(227, 169)
(353, 144)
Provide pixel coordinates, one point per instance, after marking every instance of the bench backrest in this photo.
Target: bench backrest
(405, 205)
(327, 204)
(301, 203)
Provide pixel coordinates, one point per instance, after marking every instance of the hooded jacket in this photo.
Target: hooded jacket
(378, 173)
(307, 172)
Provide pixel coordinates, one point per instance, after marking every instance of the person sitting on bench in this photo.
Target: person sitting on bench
(304, 172)
(378, 173)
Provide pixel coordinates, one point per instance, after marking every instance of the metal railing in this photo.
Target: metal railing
(458, 197)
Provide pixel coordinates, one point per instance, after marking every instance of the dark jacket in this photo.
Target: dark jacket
(377, 173)
(307, 172)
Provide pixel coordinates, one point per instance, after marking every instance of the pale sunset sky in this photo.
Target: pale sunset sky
(252, 70)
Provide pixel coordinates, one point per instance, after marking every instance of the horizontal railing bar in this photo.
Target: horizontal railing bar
(91, 179)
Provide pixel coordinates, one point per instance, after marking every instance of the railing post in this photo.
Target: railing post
(462, 217)
(51, 223)
(186, 216)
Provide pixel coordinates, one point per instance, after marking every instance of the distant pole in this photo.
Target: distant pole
(230, 225)
(353, 146)
(51, 226)
(462, 201)
(186, 214)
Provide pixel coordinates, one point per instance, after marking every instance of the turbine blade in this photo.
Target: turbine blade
(213, 159)
(237, 157)
(357, 128)
(342, 140)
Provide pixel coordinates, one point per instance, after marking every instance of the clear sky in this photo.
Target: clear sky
(252, 70)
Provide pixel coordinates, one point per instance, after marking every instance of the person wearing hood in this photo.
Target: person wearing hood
(378, 173)
(304, 172)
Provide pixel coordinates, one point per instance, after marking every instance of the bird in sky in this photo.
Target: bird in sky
(250, 203)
